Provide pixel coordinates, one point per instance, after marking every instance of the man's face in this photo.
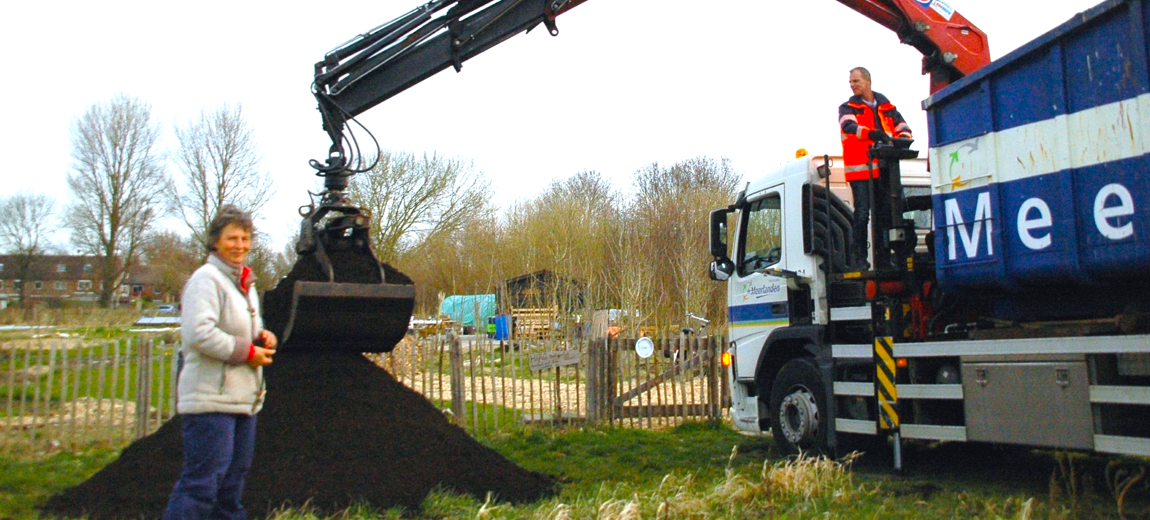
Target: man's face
(859, 85)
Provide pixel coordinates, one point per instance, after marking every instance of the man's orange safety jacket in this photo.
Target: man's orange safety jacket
(856, 120)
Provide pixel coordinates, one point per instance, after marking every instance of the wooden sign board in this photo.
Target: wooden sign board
(558, 358)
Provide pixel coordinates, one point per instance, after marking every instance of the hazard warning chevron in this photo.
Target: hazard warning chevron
(885, 390)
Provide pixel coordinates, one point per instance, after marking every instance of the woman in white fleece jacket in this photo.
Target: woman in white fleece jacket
(221, 385)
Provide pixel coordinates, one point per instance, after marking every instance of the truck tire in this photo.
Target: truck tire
(799, 419)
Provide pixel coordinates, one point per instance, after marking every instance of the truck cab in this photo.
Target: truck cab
(769, 277)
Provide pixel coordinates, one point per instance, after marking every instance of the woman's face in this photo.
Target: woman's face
(234, 244)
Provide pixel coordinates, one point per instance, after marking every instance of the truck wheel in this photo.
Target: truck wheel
(799, 420)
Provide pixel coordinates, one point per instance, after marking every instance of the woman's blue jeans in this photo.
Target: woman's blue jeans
(218, 451)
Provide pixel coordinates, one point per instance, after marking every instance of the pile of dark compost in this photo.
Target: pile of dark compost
(336, 430)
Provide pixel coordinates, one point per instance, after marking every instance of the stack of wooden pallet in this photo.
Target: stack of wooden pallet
(534, 323)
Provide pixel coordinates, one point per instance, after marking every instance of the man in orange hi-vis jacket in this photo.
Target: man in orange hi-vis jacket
(865, 118)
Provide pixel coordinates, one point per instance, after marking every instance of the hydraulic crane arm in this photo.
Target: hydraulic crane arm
(387, 60)
(951, 46)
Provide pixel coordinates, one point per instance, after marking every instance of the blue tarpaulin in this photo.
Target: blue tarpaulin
(465, 308)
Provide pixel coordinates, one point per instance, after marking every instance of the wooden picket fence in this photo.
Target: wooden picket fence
(486, 385)
(72, 393)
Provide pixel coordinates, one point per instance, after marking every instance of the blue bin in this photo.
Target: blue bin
(499, 327)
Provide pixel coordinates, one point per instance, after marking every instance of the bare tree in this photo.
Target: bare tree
(219, 162)
(173, 258)
(117, 179)
(412, 198)
(676, 202)
(26, 220)
(572, 223)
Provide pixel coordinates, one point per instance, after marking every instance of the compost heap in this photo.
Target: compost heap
(336, 430)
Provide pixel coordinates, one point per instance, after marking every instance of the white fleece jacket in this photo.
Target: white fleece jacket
(217, 324)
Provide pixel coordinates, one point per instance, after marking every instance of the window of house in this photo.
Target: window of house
(61, 286)
(1, 267)
(1, 285)
(87, 268)
(61, 268)
(38, 285)
(84, 285)
(17, 285)
(156, 290)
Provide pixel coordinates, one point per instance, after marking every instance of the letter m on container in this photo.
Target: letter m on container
(969, 230)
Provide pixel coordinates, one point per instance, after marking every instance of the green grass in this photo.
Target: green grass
(636, 456)
(692, 472)
(26, 482)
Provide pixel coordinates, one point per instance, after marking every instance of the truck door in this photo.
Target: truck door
(757, 301)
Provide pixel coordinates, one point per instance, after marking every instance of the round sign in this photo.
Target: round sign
(644, 347)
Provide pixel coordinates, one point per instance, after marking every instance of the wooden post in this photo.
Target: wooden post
(174, 393)
(572, 394)
(612, 379)
(474, 393)
(684, 376)
(137, 431)
(64, 387)
(11, 391)
(496, 397)
(591, 370)
(457, 394)
(482, 380)
(439, 352)
(122, 437)
(79, 370)
(53, 347)
(558, 398)
(712, 351)
(693, 347)
(143, 387)
(101, 380)
(89, 382)
(35, 380)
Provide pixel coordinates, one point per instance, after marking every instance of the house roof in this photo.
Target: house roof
(49, 267)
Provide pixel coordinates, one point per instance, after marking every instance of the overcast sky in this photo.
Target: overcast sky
(626, 83)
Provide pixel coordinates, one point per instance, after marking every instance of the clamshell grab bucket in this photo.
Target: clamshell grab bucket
(353, 317)
(338, 296)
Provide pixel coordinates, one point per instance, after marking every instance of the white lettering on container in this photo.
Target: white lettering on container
(970, 241)
(1026, 226)
(1102, 212)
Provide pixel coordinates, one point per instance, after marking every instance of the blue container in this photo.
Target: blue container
(499, 327)
(1041, 163)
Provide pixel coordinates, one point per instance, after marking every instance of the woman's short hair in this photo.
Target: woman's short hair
(229, 214)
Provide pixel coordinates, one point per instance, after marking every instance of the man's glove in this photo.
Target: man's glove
(878, 136)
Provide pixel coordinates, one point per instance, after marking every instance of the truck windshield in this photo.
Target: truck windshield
(762, 243)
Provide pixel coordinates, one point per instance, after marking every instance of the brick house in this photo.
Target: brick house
(59, 278)
(143, 282)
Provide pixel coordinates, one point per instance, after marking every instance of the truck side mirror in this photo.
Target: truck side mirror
(719, 233)
(722, 269)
